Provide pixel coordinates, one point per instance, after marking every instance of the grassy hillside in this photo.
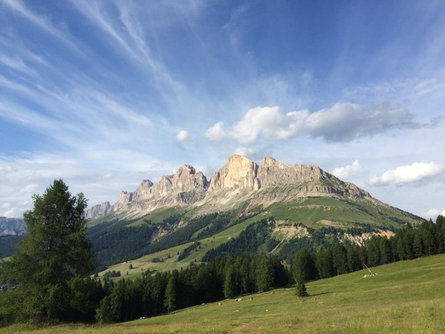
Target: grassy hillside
(168, 259)
(316, 212)
(120, 241)
(405, 297)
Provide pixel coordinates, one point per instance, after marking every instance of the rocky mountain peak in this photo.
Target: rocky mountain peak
(186, 186)
(239, 172)
(186, 169)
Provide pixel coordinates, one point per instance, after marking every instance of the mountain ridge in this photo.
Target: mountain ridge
(239, 177)
(12, 226)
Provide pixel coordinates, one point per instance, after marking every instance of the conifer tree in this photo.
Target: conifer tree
(170, 294)
(384, 250)
(264, 278)
(417, 245)
(230, 288)
(54, 251)
(303, 267)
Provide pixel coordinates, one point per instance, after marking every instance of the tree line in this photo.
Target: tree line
(208, 282)
(337, 258)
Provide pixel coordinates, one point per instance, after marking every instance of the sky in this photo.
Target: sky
(107, 93)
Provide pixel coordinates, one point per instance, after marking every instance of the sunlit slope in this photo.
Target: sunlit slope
(324, 214)
(404, 297)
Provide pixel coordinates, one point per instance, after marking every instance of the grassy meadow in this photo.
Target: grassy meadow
(404, 297)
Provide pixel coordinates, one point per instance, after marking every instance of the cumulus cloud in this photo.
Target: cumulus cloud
(251, 152)
(433, 213)
(346, 171)
(13, 213)
(407, 174)
(216, 132)
(183, 137)
(342, 122)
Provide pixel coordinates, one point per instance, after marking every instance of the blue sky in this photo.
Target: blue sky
(107, 93)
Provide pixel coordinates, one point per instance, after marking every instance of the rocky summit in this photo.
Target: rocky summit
(240, 179)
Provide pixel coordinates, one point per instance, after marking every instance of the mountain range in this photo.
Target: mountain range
(245, 207)
(240, 179)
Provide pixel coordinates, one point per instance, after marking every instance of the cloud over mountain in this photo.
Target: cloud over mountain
(401, 175)
(343, 122)
(346, 171)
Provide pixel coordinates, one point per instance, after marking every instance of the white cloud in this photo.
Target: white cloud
(183, 137)
(30, 188)
(216, 132)
(13, 213)
(251, 152)
(407, 174)
(33, 173)
(433, 213)
(20, 8)
(16, 64)
(346, 171)
(341, 123)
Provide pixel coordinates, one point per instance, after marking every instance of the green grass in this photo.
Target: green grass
(169, 256)
(105, 219)
(342, 213)
(158, 215)
(405, 297)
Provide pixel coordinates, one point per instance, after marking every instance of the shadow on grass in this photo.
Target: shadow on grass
(318, 294)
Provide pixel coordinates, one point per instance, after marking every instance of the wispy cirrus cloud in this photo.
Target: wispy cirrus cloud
(44, 23)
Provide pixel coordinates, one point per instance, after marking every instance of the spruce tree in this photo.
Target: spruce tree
(303, 266)
(54, 252)
(417, 245)
(170, 294)
(230, 289)
(264, 278)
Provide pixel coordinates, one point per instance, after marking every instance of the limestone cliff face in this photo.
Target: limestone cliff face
(185, 186)
(239, 172)
(184, 180)
(242, 173)
(272, 173)
(98, 210)
(239, 180)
